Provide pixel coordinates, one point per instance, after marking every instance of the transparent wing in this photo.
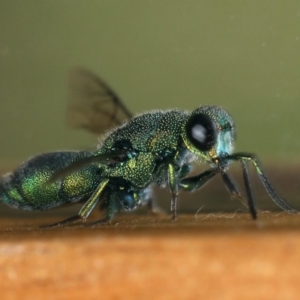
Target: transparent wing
(106, 158)
(92, 105)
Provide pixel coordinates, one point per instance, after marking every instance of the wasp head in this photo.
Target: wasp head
(209, 133)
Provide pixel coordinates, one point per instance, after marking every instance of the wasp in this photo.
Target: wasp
(156, 147)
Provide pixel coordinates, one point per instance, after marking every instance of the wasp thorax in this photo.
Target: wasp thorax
(201, 131)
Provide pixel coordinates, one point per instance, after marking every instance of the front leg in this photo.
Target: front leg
(191, 184)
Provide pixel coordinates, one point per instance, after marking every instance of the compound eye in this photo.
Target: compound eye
(201, 131)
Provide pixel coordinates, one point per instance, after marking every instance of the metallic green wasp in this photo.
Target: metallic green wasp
(157, 147)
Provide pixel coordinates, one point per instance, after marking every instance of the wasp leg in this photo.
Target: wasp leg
(110, 212)
(173, 186)
(230, 185)
(151, 205)
(243, 158)
(63, 222)
(235, 193)
(100, 222)
(250, 198)
(86, 208)
(91, 203)
(191, 184)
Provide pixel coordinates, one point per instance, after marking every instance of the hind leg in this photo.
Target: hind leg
(71, 220)
(111, 209)
(86, 208)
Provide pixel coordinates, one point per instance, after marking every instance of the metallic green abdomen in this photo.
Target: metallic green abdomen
(28, 187)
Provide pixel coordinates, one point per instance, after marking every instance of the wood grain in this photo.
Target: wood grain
(214, 256)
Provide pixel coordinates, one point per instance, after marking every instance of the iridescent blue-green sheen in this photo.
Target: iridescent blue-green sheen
(156, 147)
(29, 188)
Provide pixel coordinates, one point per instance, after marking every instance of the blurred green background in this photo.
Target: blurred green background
(242, 55)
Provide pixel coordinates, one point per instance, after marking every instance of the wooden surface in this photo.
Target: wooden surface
(203, 256)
